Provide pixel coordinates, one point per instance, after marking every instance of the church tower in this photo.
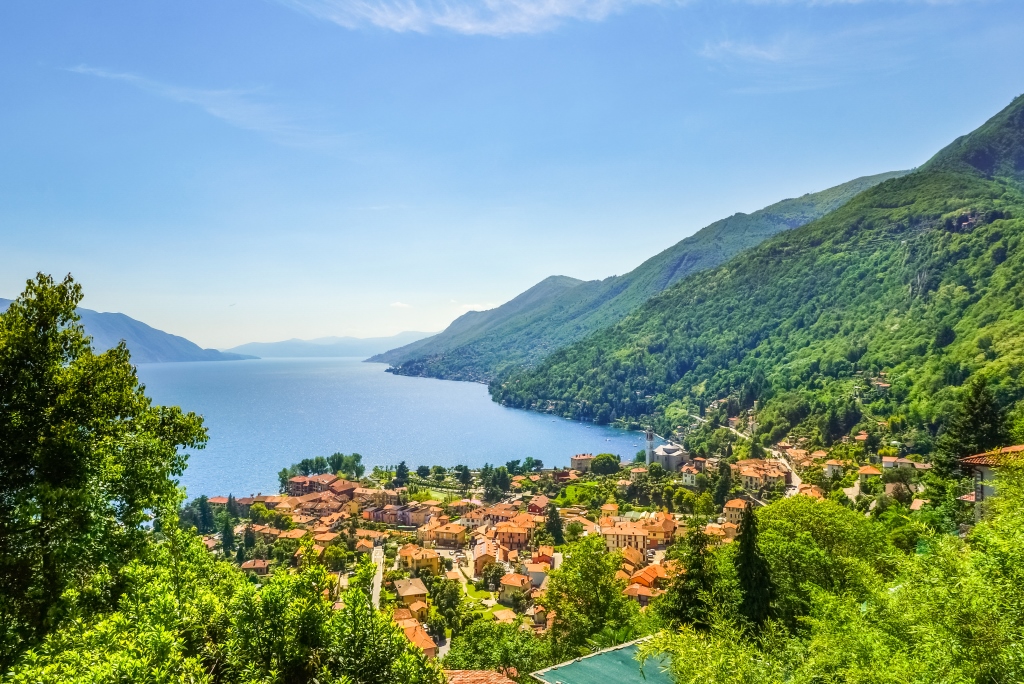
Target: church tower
(650, 446)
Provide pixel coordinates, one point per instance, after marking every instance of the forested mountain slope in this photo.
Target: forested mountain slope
(475, 324)
(919, 277)
(520, 338)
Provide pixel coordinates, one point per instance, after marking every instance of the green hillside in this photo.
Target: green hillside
(917, 278)
(485, 345)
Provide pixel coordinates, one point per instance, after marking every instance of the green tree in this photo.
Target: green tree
(402, 474)
(423, 471)
(753, 573)
(605, 464)
(464, 476)
(83, 456)
(976, 426)
(724, 484)
(573, 531)
(585, 596)
(688, 598)
(553, 524)
(227, 537)
(504, 648)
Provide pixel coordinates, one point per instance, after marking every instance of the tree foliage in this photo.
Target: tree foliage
(84, 455)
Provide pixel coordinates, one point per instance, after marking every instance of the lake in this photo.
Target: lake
(267, 414)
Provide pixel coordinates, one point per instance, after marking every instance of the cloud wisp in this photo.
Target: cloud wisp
(244, 109)
(483, 17)
(400, 305)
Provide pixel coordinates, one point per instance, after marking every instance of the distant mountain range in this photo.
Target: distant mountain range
(146, 344)
(484, 345)
(328, 346)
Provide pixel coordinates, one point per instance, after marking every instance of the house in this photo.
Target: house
(327, 538)
(905, 463)
(538, 505)
(734, 510)
(537, 572)
(485, 552)
(653, 576)
(867, 472)
(888, 462)
(416, 559)
(297, 533)
(256, 566)
(452, 535)
(581, 462)
(833, 468)
(917, 504)
(511, 583)
(505, 616)
(411, 590)
(660, 528)
(511, 536)
(636, 473)
(639, 593)
(419, 610)
(984, 467)
(476, 677)
(544, 554)
(421, 640)
(689, 476)
(632, 560)
(364, 546)
(813, 491)
(625, 535)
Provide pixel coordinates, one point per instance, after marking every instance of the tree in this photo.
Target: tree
(724, 484)
(573, 531)
(977, 425)
(640, 457)
(232, 507)
(464, 476)
(504, 648)
(532, 465)
(585, 596)
(249, 537)
(402, 474)
(490, 576)
(336, 557)
(687, 600)
(753, 573)
(227, 536)
(84, 455)
(423, 471)
(439, 473)
(605, 464)
(553, 524)
(656, 471)
(514, 467)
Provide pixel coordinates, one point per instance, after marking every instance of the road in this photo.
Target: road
(377, 556)
(794, 480)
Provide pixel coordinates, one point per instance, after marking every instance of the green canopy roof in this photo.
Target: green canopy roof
(617, 664)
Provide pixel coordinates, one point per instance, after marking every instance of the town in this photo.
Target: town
(450, 546)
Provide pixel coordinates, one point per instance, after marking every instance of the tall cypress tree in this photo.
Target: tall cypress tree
(227, 536)
(753, 573)
(554, 524)
(976, 426)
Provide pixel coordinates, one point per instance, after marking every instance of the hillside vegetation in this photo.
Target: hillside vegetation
(917, 278)
(559, 311)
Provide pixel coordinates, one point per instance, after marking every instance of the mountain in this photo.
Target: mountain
(532, 326)
(474, 325)
(147, 344)
(917, 278)
(328, 346)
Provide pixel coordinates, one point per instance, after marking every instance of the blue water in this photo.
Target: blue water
(267, 414)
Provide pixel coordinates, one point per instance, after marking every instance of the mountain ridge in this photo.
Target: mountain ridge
(327, 347)
(916, 278)
(522, 339)
(146, 343)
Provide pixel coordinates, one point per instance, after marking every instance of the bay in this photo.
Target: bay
(267, 414)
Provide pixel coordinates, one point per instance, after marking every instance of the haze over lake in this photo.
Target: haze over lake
(266, 414)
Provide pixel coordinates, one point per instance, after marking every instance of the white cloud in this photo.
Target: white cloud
(245, 109)
(483, 17)
(401, 305)
(507, 17)
(476, 307)
(729, 49)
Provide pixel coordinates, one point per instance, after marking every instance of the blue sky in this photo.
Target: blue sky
(238, 171)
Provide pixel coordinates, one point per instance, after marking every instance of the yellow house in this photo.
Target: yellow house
(451, 535)
(415, 558)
